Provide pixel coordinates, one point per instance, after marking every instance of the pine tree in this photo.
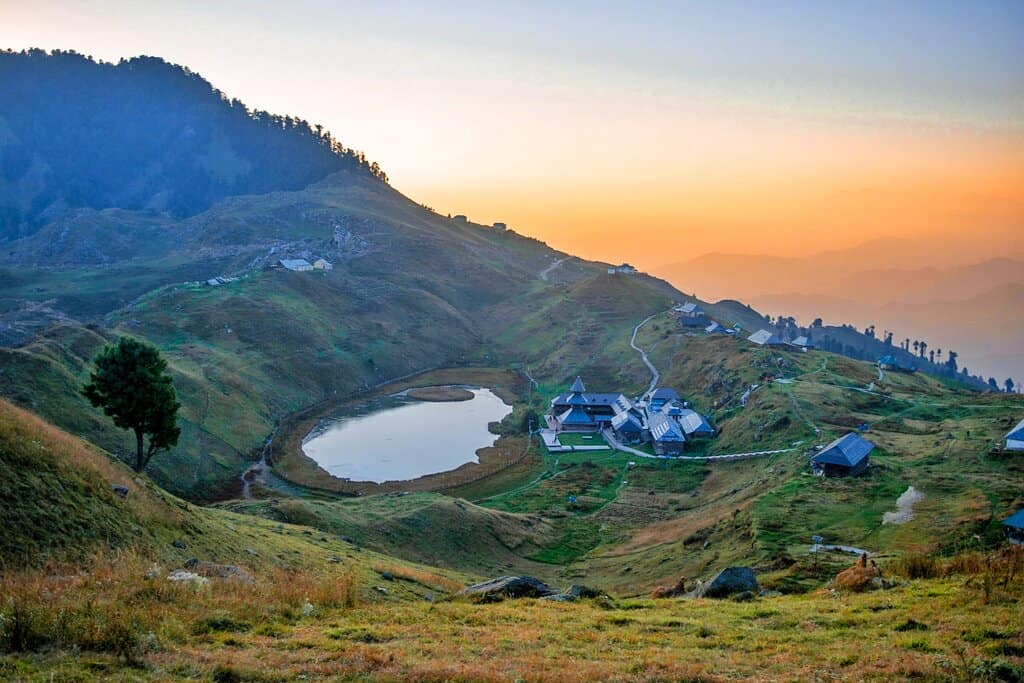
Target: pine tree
(131, 386)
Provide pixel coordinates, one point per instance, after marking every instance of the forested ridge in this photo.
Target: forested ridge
(141, 134)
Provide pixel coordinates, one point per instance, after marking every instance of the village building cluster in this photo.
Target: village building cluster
(659, 417)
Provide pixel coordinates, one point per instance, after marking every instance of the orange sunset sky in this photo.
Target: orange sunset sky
(649, 132)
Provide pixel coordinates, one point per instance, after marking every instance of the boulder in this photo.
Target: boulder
(508, 587)
(580, 591)
(120, 489)
(182, 576)
(729, 581)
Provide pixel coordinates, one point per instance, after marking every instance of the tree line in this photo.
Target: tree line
(143, 134)
(935, 361)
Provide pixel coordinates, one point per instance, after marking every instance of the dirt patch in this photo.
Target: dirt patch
(904, 507)
(440, 394)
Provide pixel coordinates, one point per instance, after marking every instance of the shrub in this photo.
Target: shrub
(917, 566)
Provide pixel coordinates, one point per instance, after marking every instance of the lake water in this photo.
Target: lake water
(398, 438)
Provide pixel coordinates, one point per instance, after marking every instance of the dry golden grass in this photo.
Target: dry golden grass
(421, 576)
(440, 394)
(92, 624)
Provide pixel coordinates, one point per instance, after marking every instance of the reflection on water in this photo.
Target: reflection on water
(398, 438)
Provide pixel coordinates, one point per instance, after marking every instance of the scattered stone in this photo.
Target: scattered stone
(120, 489)
(308, 609)
(155, 572)
(585, 592)
(334, 559)
(387, 576)
(745, 596)
(381, 589)
(560, 597)
(179, 544)
(729, 581)
(508, 587)
(219, 571)
(180, 575)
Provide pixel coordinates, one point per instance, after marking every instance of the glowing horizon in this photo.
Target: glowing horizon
(652, 134)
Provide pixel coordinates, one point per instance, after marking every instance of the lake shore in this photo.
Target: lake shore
(289, 462)
(440, 394)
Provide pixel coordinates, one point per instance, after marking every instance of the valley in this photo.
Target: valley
(294, 293)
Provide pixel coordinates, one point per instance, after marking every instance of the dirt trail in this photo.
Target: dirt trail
(547, 271)
(655, 375)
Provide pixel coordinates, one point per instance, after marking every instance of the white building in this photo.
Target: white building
(296, 264)
(765, 338)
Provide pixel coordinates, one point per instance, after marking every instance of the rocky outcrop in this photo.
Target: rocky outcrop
(508, 587)
(730, 581)
(219, 571)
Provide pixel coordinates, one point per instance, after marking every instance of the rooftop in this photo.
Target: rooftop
(846, 451)
(1016, 520)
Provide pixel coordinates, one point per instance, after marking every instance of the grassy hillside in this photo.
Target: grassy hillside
(60, 508)
(410, 291)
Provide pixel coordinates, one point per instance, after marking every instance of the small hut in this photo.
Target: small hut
(847, 456)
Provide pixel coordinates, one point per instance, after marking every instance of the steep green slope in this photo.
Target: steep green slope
(60, 510)
(428, 528)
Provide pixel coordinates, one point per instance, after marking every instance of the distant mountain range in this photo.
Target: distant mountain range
(975, 308)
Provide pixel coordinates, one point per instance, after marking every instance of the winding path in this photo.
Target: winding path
(655, 376)
(547, 271)
(609, 436)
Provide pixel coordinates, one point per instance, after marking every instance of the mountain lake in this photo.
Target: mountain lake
(400, 438)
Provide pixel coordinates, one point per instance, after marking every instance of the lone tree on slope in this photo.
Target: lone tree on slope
(131, 386)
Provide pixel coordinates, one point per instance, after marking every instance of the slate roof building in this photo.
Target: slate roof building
(891, 362)
(296, 264)
(628, 427)
(690, 308)
(666, 434)
(847, 456)
(1015, 438)
(765, 338)
(660, 396)
(803, 342)
(714, 328)
(695, 425)
(1015, 528)
(323, 264)
(598, 408)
